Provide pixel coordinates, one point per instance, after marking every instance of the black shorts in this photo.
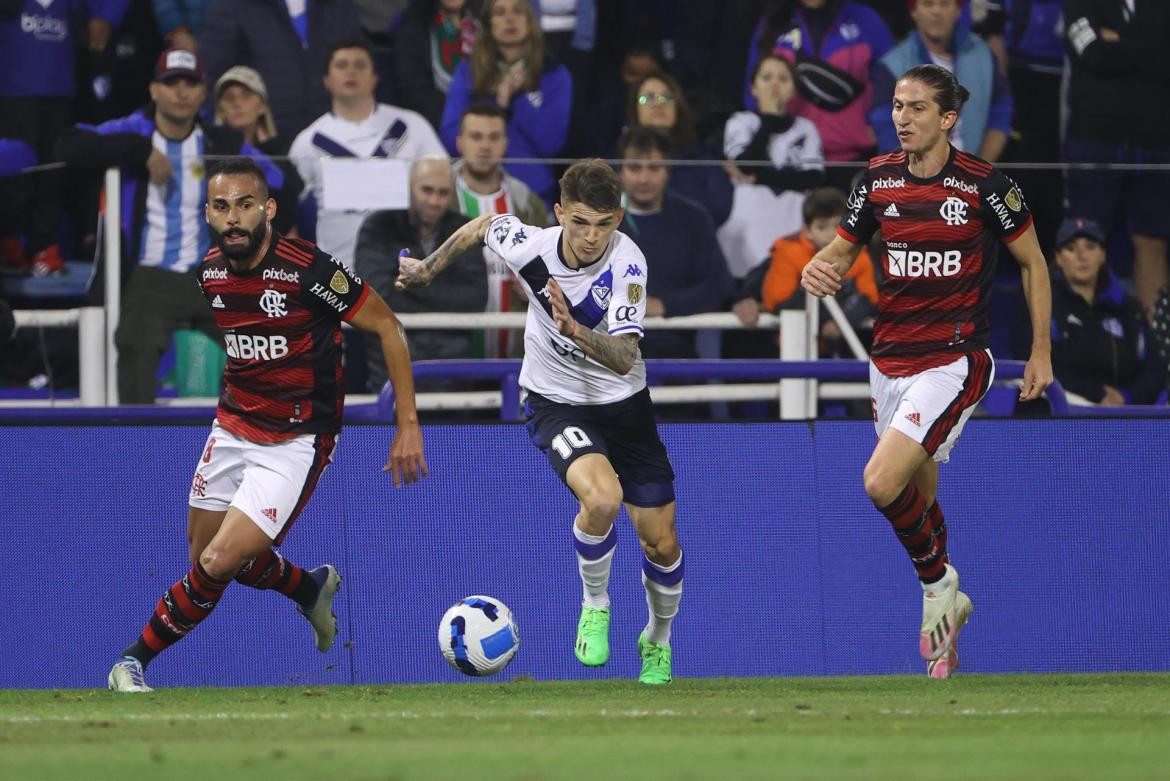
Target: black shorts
(623, 431)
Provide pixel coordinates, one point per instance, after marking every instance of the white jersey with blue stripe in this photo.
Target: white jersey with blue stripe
(607, 296)
(388, 132)
(174, 232)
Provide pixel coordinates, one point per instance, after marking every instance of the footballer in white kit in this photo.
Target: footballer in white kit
(587, 404)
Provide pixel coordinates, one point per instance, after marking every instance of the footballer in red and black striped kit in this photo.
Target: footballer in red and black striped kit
(943, 215)
(280, 303)
(282, 331)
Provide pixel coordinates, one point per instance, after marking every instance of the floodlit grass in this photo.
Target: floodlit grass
(974, 727)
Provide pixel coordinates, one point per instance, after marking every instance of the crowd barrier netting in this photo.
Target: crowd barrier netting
(1060, 528)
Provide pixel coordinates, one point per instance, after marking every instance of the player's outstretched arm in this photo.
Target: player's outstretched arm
(614, 352)
(822, 275)
(1038, 294)
(406, 463)
(419, 273)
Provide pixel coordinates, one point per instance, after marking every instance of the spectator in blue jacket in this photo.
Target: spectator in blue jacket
(510, 66)
(686, 269)
(38, 44)
(160, 151)
(938, 38)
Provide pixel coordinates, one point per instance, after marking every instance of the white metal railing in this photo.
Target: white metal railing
(98, 352)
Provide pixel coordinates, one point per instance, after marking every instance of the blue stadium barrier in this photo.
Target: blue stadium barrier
(1060, 528)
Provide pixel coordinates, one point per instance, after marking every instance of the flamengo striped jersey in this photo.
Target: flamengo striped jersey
(282, 329)
(607, 296)
(942, 237)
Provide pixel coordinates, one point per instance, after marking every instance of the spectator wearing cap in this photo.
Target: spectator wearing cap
(38, 86)
(939, 38)
(289, 43)
(241, 103)
(160, 151)
(1102, 350)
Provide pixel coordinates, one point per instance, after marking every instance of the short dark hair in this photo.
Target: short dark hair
(592, 183)
(239, 166)
(352, 42)
(760, 66)
(645, 139)
(948, 92)
(483, 109)
(823, 202)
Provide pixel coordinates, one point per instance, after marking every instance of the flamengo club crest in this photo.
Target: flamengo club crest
(954, 211)
(272, 302)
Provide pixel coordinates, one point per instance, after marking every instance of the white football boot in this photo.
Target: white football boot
(128, 676)
(944, 612)
(321, 614)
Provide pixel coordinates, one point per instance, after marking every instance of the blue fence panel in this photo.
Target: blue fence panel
(1061, 530)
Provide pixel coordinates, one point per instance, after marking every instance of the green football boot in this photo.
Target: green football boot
(655, 661)
(592, 646)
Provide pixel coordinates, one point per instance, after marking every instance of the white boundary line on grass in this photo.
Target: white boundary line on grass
(540, 713)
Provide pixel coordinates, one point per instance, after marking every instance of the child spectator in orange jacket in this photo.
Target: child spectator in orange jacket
(823, 209)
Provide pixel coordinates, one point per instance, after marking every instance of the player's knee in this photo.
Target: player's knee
(879, 485)
(663, 551)
(601, 504)
(220, 564)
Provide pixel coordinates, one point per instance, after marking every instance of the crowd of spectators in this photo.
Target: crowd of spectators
(737, 128)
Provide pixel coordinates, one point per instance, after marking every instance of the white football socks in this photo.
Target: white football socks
(594, 560)
(663, 593)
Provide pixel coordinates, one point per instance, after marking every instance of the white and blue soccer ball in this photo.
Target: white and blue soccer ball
(478, 636)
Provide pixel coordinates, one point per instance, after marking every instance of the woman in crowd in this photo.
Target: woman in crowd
(511, 67)
(657, 100)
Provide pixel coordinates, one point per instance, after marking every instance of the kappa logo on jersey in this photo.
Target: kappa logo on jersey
(914, 418)
(959, 184)
(280, 275)
(891, 211)
(214, 273)
(519, 238)
(888, 183)
(217, 302)
(500, 232)
(634, 293)
(1001, 211)
(601, 294)
(954, 211)
(339, 283)
(246, 347)
(632, 271)
(272, 303)
(912, 263)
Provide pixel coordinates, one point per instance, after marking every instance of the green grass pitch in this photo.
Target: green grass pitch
(975, 727)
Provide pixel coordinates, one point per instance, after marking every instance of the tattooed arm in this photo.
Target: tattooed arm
(419, 273)
(614, 352)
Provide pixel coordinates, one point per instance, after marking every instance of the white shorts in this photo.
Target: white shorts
(270, 482)
(933, 406)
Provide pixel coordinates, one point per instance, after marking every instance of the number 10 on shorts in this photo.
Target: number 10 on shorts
(572, 437)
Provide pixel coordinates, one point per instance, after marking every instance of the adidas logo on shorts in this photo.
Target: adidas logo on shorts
(892, 211)
(914, 418)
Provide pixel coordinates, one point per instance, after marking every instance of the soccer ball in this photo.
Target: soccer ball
(478, 636)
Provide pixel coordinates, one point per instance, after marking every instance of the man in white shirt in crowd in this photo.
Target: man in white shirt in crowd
(356, 127)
